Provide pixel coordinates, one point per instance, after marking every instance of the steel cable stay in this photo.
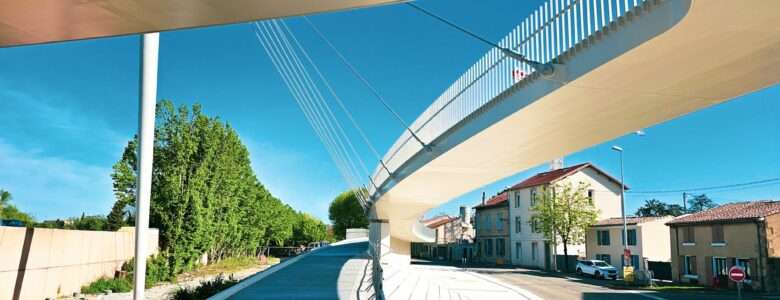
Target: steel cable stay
(311, 101)
(297, 96)
(320, 99)
(343, 107)
(323, 111)
(296, 89)
(365, 82)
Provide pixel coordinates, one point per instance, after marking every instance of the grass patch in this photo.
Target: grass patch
(205, 289)
(115, 285)
(228, 265)
(679, 287)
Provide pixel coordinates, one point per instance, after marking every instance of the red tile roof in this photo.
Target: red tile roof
(441, 221)
(435, 219)
(742, 211)
(495, 200)
(555, 175)
(629, 221)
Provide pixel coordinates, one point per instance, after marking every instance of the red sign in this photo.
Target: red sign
(736, 274)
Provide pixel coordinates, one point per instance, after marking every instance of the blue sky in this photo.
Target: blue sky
(69, 108)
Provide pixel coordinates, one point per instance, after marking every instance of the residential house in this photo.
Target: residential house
(453, 239)
(529, 246)
(648, 241)
(492, 230)
(747, 234)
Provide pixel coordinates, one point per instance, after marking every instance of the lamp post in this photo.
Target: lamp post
(623, 203)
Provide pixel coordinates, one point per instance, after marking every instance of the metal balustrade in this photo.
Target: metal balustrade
(553, 29)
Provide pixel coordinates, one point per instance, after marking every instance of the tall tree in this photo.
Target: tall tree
(345, 212)
(308, 229)
(206, 198)
(656, 208)
(700, 203)
(564, 212)
(5, 197)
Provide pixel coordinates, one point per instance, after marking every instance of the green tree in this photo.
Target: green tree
(346, 212)
(700, 203)
(10, 212)
(206, 198)
(95, 223)
(5, 197)
(657, 208)
(564, 211)
(308, 229)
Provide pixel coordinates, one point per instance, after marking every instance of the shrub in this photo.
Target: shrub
(205, 289)
(157, 270)
(116, 285)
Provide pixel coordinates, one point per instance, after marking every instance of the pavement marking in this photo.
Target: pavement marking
(523, 292)
(648, 295)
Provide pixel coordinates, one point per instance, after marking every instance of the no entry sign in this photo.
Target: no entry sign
(736, 274)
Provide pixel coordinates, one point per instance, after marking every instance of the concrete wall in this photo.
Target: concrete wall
(655, 240)
(37, 263)
(356, 233)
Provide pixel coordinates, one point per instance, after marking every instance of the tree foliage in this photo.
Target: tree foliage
(564, 212)
(657, 208)
(345, 212)
(700, 203)
(308, 229)
(205, 198)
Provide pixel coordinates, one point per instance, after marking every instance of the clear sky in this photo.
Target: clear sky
(69, 108)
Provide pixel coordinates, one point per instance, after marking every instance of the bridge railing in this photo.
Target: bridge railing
(552, 29)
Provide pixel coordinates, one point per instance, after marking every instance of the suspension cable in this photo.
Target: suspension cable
(365, 82)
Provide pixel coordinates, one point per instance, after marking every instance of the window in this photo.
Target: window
(591, 195)
(534, 246)
(533, 197)
(518, 249)
(689, 235)
(717, 234)
(602, 237)
(499, 222)
(720, 266)
(745, 264)
(487, 222)
(479, 248)
(489, 247)
(631, 237)
(605, 257)
(689, 265)
(518, 224)
(535, 225)
(517, 200)
(500, 247)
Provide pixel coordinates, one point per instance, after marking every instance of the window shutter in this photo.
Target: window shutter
(694, 266)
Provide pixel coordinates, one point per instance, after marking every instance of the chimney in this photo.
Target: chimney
(556, 164)
(483, 198)
(464, 214)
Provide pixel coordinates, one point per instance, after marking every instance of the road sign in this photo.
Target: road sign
(736, 274)
(627, 253)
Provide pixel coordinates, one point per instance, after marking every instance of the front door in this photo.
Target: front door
(547, 255)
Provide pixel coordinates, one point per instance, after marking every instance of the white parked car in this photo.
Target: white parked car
(596, 268)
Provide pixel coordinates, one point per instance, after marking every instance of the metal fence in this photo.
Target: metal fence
(554, 28)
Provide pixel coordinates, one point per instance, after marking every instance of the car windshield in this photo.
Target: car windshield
(601, 264)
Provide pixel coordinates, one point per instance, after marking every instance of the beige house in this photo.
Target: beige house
(648, 241)
(747, 234)
(529, 248)
(453, 238)
(491, 219)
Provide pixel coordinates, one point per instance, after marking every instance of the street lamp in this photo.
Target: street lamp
(623, 204)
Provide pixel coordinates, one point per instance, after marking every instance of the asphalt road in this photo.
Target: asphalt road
(552, 286)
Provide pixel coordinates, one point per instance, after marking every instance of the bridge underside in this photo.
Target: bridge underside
(43, 21)
(703, 53)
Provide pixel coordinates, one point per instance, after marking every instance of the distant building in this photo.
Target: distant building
(491, 219)
(648, 241)
(706, 244)
(454, 236)
(529, 246)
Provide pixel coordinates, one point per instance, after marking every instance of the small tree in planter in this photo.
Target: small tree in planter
(564, 212)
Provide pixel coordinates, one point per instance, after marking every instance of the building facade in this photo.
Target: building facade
(705, 245)
(529, 247)
(454, 237)
(648, 241)
(491, 219)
